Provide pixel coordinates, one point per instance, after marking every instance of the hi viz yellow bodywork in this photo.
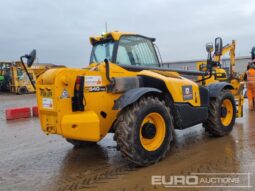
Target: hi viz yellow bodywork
(56, 112)
(126, 91)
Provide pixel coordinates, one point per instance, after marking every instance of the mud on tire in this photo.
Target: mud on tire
(216, 124)
(129, 133)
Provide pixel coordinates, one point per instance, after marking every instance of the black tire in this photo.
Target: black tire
(81, 144)
(214, 124)
(128, 131)
(22, 90)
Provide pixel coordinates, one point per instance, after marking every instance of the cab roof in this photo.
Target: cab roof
(114, 35)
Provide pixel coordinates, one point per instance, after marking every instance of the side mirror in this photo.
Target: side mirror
(253, 53)
(209, 47)
(31, 58)
(218, 46)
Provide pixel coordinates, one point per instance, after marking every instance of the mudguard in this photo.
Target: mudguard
(132, 96)
(215, 88)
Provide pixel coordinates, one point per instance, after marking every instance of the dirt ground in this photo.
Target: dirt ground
(31, 160)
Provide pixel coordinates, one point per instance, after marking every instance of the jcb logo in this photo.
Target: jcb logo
(187, 92)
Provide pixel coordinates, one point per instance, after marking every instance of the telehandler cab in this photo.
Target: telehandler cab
(125, 91)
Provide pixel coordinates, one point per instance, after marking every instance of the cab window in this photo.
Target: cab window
(136, 51)
(101, 51)
(123, 57)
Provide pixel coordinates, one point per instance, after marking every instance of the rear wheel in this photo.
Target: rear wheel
(80, 144)
(222, 114)
(144, 131)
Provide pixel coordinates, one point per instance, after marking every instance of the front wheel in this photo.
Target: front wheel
(222, 114)
(144, 131)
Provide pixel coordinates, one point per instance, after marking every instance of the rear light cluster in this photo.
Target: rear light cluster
(78, 98)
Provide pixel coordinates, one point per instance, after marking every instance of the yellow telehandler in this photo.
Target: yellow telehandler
(126, 91)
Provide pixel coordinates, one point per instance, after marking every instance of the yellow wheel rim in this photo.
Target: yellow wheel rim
(156, 124)
(228, 107)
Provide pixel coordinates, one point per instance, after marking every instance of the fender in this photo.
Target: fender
(215, 88)
(132, 96)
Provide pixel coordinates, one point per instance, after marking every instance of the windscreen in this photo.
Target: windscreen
(101, 51)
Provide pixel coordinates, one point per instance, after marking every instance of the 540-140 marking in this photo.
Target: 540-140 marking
(96, 89)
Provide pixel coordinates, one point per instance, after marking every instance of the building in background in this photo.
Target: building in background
(241, 64)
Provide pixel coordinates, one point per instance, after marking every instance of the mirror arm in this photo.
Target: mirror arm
(107, 68)
(210, 75)
(209, 59)
(25, 68)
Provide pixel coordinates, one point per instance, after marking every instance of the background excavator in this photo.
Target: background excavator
(225, 74)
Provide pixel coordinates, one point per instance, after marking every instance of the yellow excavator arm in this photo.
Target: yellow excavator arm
(231, 49)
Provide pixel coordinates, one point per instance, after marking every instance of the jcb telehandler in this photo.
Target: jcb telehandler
(125, 91)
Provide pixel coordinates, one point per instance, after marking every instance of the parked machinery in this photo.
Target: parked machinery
(125, 91)
(15, 79)
(224, 74)
(19, 77)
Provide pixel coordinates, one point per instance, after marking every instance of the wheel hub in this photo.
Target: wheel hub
(152, 131)
(223, 111)
(227, 112)
(148, 130)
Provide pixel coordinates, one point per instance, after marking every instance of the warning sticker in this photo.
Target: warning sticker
(93, 81)
(187, 92)
(47, 103)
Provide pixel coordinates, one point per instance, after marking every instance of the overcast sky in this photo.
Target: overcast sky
(59, 29)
